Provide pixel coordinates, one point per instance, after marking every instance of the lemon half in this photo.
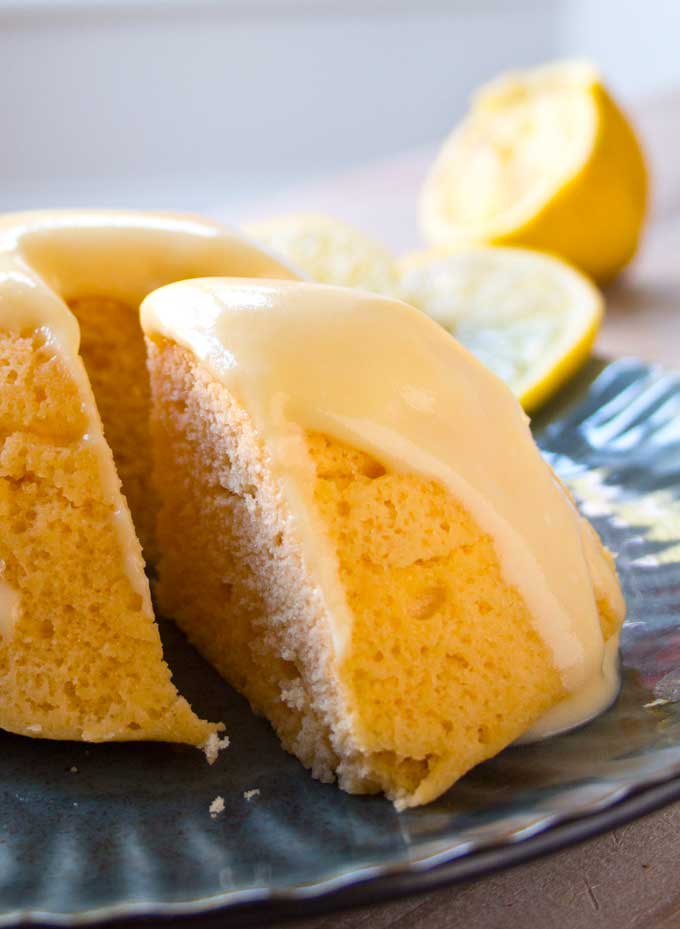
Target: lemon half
(527, 316)
(544, 159)
(329, 251)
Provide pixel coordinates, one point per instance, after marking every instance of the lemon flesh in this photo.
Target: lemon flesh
(328, 251)
(527, 316)
(544, 159)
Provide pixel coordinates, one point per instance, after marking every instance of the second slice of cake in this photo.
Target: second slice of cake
(359, 532)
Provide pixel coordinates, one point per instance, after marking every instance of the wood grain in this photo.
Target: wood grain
(626, 879)
(643, 306)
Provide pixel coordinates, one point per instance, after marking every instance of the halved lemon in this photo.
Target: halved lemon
(544, 159)
(528, 316)
(329, 251)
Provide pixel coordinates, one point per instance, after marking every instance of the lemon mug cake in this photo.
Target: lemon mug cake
(358, 531)
(80, 653)
(102, 264)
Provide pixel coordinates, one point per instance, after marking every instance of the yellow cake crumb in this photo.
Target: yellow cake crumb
(112, 349)
(445, 666)
(214, 745)
(82, 656)
(216, 807)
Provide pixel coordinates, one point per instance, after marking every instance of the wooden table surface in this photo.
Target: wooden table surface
(628, 878)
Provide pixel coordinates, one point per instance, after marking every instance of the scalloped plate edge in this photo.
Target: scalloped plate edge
(362, 885)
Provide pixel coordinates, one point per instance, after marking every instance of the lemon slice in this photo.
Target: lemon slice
(329, 251)
(529, 317)
(544, 159)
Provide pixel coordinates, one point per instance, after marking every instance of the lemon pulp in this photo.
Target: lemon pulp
(527, 316)
(545, 159)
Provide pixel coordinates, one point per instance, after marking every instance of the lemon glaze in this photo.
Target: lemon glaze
(380, 376)
(48, 258)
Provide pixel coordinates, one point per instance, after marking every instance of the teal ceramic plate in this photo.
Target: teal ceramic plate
(90, 834)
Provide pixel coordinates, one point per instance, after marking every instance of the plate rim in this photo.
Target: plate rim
(301, 901)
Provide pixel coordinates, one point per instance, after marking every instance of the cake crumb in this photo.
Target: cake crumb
(214, 745)
(216, 807)
(251, 794)
(73, 769)
(293, 694)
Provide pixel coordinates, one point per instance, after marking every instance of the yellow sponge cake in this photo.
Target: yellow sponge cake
(80, 653)
(358, 531)
(102, 264)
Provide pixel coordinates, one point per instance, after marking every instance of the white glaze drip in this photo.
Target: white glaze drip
(381, 376)
(49, 258)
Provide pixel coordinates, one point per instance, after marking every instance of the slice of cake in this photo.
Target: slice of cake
(80, 653)
(359, 532)
(102, 264)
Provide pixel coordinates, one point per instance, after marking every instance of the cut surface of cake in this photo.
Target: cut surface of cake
(102, 264)
(359, 532)
(80, 652)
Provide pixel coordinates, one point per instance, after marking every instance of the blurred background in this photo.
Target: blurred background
(220, 106)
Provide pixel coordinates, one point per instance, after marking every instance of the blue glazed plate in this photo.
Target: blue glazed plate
(90, 834)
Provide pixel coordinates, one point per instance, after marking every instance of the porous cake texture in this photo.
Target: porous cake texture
(80, 653)
(112, 349)
(444, 666)
(102, 264)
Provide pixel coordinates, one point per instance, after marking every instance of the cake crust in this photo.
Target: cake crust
(235, 580)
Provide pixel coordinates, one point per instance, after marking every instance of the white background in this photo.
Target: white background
(199, 105)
